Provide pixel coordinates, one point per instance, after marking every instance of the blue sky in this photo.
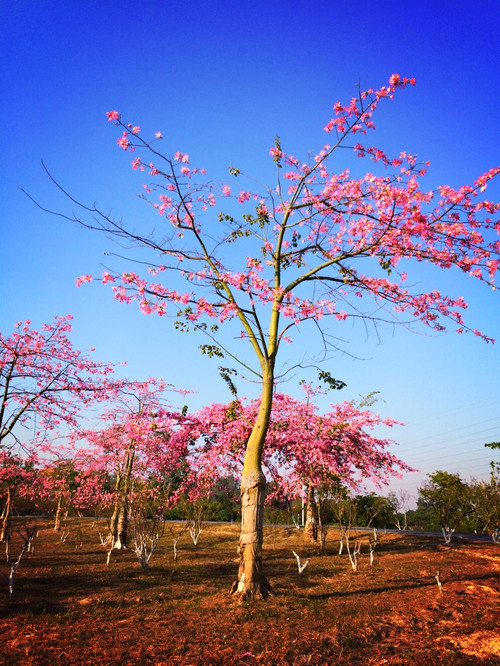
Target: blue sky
(220, 80)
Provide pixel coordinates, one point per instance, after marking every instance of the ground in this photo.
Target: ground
(68, 607)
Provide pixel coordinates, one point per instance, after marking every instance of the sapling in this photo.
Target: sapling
(355, 552)
(295, 516)
(7, 536)
(26, 538)
(147, 534)
(176, 532)
(105, 538)
(447, 533)
(195, 531)
(373, 544)
(300, 565)
(65, 534)
(438, 580)
(343, 529)
(323, 506)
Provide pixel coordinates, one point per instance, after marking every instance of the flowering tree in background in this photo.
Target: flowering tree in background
(16, 477)
(306, 453)
(140, 440)
(58, 480)
(316, 456)
(44, 381)
(317, 244)
(71, 483)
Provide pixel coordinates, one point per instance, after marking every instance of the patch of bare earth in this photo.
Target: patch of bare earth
(70, 608)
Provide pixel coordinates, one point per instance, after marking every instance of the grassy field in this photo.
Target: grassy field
(68, 607)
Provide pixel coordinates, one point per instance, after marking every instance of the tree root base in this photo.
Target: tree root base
(252, 590)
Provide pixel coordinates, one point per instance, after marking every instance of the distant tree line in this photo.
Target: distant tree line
(444, 501)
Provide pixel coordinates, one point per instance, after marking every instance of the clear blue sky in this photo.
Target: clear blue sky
(221, 80)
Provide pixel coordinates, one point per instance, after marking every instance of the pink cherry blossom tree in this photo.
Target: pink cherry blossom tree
(142, 439)
(316, 455)
(317, 244)
(45, 382)
(71, 483)
(17, 476)
(58, 481)
(305, 453)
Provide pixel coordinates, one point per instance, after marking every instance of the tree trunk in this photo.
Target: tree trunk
(6, 513)
(118, 525)
(311, 526)
(122, 527)
(57, 521)
(322, 525)
(251, 582)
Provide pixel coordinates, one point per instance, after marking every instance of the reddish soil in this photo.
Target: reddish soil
(68, 607)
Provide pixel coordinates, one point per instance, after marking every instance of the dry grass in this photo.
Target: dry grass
(69, 608)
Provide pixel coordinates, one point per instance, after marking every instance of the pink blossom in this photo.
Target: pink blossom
(123, 141)
(243, 196)
(83, 278)
(276, 153)
(181, 157)
(107, 278)
(47, 379)
(113, 115)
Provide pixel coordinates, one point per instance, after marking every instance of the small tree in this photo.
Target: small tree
(27, 540)
(374, 510)
(308, 455)
(72, 483)
(399, 504)
(447, 496)
(147, 532)
(316, 244)
(485, 500)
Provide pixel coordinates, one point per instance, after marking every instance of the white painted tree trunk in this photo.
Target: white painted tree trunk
(251, 580)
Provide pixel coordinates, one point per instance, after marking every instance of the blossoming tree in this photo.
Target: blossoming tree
(319, 243)
(143, 438)
(70, 483)
(44, 381)
(306, 452)
(16, 477)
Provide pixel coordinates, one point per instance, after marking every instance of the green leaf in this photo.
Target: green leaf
(332, 383)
